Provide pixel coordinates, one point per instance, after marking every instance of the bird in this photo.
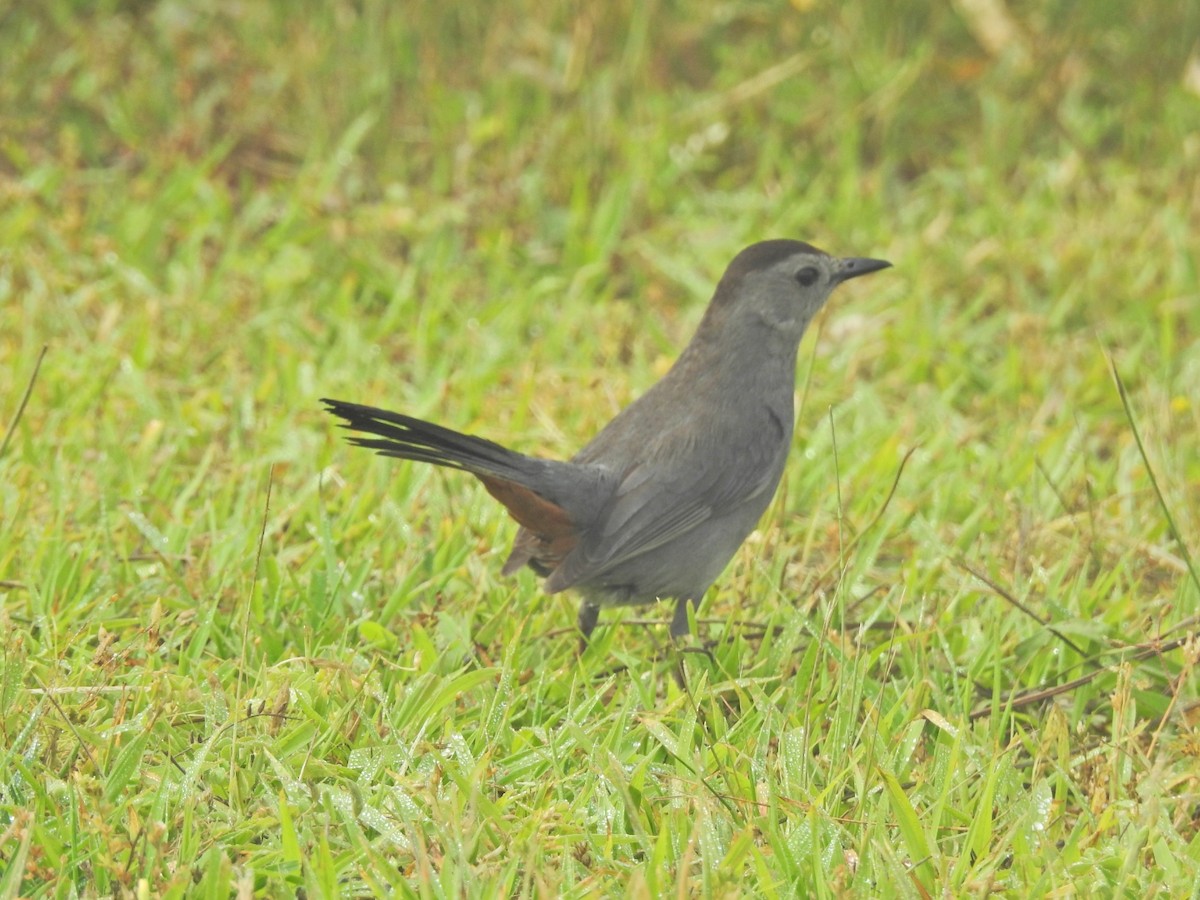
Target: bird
(658, 502)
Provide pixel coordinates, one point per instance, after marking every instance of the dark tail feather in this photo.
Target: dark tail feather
(407, 438)
(531, 489)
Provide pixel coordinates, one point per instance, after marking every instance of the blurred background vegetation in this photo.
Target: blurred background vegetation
(508, 217)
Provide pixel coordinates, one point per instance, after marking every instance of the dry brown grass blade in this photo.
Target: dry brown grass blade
(1162, 501)
(858, 536)
(1012, 600)
(12, 426)
(1140, 653)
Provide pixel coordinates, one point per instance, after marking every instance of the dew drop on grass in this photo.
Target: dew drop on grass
(792, 752)
(406, 804)
(711, 838)
(1041, 799)
(147, 530)
(800, 840)
(369, 815)
(134, 723)
(369, 762)
(385, 826)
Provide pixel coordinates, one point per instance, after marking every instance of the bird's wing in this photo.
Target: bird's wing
(686, 476)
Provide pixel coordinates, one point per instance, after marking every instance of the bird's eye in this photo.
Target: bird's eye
(808, 276)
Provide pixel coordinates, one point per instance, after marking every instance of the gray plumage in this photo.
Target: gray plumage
(658, 502)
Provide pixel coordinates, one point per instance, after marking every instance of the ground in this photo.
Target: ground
(956, 658)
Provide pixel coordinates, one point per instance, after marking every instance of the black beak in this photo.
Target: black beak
(853, 266)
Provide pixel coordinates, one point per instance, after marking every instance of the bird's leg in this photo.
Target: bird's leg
(679, 623)
(589, 613)
(680, 630)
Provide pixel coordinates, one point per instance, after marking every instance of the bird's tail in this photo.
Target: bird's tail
(407, 438)
(552, 500)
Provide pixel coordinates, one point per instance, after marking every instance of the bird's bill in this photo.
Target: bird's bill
(854, 266)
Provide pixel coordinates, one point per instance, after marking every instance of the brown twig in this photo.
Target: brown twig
(1037, 695)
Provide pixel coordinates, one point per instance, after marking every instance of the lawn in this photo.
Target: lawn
(957, 658)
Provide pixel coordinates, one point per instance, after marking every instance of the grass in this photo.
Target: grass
(239, 655)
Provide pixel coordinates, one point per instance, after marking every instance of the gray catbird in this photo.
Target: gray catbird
(657, 504)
